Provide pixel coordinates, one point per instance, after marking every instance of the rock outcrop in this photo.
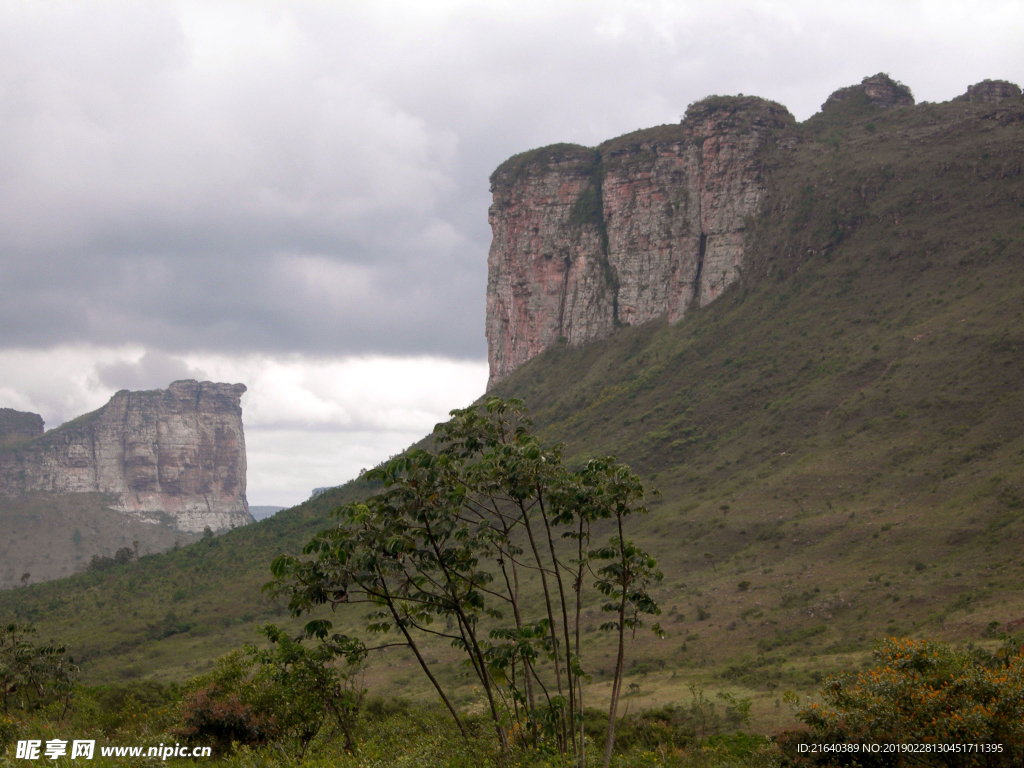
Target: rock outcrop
(16, 426)
(990, 91)
(641, 227)
(879, 90)
(174, 456)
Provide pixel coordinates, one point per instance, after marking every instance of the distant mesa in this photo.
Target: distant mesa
(173, 457)
(321, 491)
(263, 511)
(647, 225)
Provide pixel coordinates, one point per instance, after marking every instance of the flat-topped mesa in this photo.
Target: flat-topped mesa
(879, 90)
(586, 239)
(175, 456)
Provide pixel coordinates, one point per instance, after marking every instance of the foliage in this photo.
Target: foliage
(927, 692)
(452, 538)
(216, 715)
(123, 556)
(285, 693)
(115, 709)
(674, 726)
(33, 675)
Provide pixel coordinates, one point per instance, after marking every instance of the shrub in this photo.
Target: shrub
(8, 731)
(219, 715)
(926, 692)
(285, 693)
(116, 709)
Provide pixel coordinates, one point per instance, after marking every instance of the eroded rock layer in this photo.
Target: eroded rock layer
(174, 456)
(642, 226)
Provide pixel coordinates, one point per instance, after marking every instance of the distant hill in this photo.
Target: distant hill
(838, 438)
(262, 512)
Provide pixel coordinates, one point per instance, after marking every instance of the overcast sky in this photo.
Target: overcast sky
(294, 194)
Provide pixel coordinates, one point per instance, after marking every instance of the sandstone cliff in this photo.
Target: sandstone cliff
(586, 239)
(174, 456)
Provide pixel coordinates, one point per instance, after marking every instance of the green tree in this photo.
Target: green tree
(33, 675)
(448, 547)
(626, 579)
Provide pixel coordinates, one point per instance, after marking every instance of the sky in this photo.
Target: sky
(294, 195)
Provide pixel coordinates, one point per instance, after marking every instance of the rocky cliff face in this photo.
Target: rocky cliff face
(642, 226)
(173, 456)
(547, 270)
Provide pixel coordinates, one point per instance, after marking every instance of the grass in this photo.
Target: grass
(48, 537)
(389, 732)
(842, 431)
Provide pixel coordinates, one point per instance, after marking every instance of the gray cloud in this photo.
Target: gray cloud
(154, 370)
(310, 177)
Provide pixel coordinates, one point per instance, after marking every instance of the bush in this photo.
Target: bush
(926, 692)
(8, 731)
(286, 693)
(219, 715)
(117, 709)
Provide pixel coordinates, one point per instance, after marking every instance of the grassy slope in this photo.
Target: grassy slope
(49, 536)
(168, 615)
(844, 430)
(837, 440)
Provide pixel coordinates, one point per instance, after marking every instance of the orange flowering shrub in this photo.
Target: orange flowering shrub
(926, 692)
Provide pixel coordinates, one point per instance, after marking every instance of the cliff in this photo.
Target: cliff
(588, 239)
(640, 227)
(175, 456)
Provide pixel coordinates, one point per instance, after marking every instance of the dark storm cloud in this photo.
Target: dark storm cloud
(313, 177)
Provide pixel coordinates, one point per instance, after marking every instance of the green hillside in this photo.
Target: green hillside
(838, 440)
(47, 536)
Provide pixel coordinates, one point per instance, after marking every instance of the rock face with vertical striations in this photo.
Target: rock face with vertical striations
(547, 273)
(174, 456)
(641, 227)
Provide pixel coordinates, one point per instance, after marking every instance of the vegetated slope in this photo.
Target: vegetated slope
(837, 439)
(169, 615)
(47, 536)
